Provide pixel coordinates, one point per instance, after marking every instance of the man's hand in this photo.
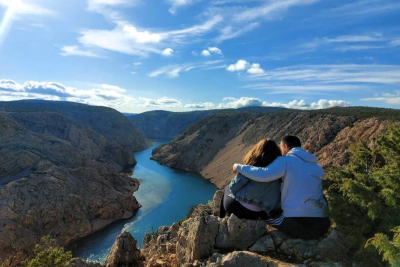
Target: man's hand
(234, 168)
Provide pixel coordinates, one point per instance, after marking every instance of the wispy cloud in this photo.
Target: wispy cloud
(325, 79)
(176, 4)
(161, 102)
(362, 8)
(388, 98)
(229, 32)
(270, 9)
(76, 51)
(173, 71)
(128, 39)
(359, 47)
(95, 5)
(395, 42)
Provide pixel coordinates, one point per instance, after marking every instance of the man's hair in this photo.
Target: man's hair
(291, 141)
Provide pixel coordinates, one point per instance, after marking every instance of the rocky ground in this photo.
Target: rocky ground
(204, 240)
(60, 177)
(212, 145)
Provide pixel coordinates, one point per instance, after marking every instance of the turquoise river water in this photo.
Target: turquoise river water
(166, 196)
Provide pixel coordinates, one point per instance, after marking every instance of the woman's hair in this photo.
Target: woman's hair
(262, 154)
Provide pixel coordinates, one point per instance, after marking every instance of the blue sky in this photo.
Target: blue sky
(178, 55)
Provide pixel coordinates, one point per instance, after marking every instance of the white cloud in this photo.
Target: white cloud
(255, 69)
(112, 88)
(205, 53)
(168, 52)
(101, 94)
(240, 65)
(76, 51)
(323, 103)
(206, 105)
(162, 102)
(215, 50)
(211, 50)
(141, 37)
(129, 39)
(231, 102)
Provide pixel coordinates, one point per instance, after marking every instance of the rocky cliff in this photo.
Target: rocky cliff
(167, 125)
(213, 144)
(59, 176)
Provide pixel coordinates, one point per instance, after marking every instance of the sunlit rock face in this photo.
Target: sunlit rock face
(60, 177)
(212, 145)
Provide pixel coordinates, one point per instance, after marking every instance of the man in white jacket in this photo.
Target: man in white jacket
(303, 203)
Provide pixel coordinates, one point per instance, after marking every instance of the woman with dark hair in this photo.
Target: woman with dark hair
(248, 199)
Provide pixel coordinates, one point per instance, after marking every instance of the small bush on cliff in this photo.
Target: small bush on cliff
(365, 200)
(47, 253)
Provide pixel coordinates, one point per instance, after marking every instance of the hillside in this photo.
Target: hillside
(160, 124)
(59, 171)
(213, 144)
(106, 121)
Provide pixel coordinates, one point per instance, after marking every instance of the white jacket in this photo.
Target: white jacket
(301, 182)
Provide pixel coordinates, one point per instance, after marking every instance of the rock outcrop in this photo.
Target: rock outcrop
(60, 177)
(203, 239)
(124, 252)
(213, 144)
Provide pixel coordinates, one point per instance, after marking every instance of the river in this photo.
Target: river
(166, 196)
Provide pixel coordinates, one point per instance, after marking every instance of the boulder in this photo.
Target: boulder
(196, 239)
(234, 233)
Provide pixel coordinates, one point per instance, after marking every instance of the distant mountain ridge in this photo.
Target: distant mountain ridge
(160, 124)
(59, 171)
(106, 121)
(213, 144)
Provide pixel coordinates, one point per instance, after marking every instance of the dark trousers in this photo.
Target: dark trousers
(230, 206)
(304, 227)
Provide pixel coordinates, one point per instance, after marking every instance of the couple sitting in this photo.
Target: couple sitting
(286, 191)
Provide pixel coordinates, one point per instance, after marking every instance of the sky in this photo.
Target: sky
(181, 55)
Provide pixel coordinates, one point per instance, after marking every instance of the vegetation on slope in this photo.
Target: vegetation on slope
(365, 201)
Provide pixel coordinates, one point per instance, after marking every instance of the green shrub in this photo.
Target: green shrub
(365, 197)
(48, 254)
